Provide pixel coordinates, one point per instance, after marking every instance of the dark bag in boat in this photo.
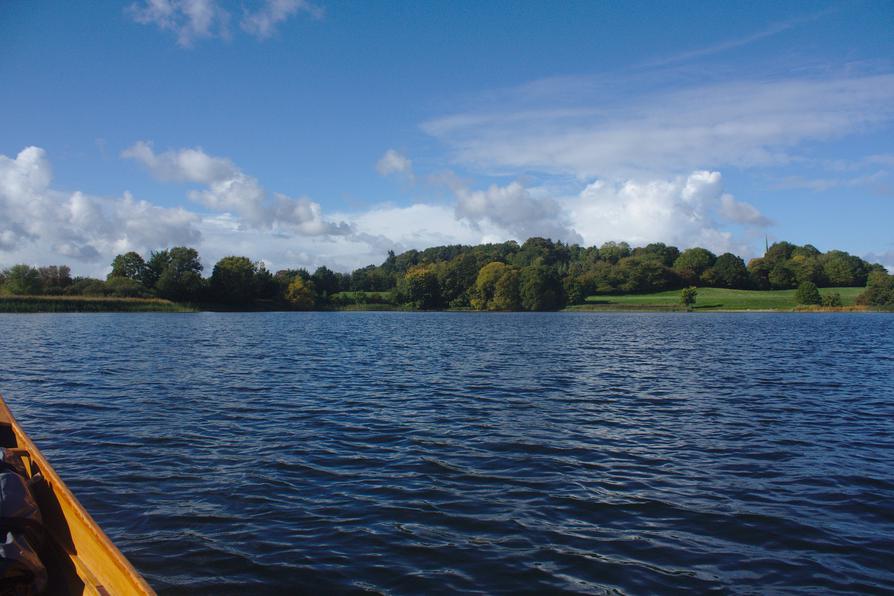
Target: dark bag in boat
(21, 528)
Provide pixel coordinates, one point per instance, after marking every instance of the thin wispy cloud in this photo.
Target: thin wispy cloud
(189, 20)
(263, 21)
(770, 31)
(870, 181)
(743, 124)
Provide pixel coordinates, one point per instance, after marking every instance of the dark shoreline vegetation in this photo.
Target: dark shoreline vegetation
(43, 304)
(538, 275)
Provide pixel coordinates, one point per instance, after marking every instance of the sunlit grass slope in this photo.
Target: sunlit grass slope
(713, 298)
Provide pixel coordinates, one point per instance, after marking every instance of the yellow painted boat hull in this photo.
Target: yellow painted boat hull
(79, 557)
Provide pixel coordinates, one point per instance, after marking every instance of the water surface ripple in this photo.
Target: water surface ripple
(413, 453)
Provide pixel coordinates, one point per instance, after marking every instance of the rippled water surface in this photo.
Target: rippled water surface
(419, 453)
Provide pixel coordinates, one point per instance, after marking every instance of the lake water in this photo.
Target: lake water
(431, 452)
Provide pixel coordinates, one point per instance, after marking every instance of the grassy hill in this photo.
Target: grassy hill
(711, 299)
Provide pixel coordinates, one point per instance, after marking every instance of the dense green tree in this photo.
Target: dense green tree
(781, 277)
(405, 261)
(658, 250)
(131, 266)
(507, 295)
(371, 279)
(288, 275)
(486, 283)
(325, 281)
(842, 269)
(457, 278)
(759, 273)
(636, 275)
(540, 251)
(601, 276)
(808, 293)
(614, 251)
(123, 287)
(808, 250)
(155, 266)
(587, 282)
(266, 286)
(806, 267)
(879, 290)
(780, 251)
(55, 278)
(441, 254)
(181, 274)
(183, 287)
(576, 288)
(86, 286)
(233, 281)
(540, 288)
(184, 259)
(693, 262)
(22, 280)
(728, 271)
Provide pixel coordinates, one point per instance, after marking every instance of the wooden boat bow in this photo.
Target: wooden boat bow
(79, 557)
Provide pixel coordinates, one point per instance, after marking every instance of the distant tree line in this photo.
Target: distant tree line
(538, 274)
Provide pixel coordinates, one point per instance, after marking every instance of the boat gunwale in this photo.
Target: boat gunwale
(63, 493)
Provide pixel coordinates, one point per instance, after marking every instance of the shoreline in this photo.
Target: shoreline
(82, 304)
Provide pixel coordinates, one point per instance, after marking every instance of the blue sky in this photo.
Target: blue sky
(330, 132)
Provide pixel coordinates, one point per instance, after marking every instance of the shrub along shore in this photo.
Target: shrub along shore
(538, 275)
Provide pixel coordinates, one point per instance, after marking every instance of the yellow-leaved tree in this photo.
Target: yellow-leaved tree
(299, 294)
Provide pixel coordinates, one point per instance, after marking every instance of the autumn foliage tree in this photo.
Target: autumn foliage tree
(419, 287)
(486, 284)
(300, 294)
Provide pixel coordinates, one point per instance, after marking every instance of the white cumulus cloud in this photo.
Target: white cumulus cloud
(227, 189)
(40, 224)
(515, 210)
(683, 211)
(185, 165)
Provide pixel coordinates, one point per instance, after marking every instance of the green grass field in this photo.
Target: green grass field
(711, 299)
(383, 295)
(371, 297)
(35, 304)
